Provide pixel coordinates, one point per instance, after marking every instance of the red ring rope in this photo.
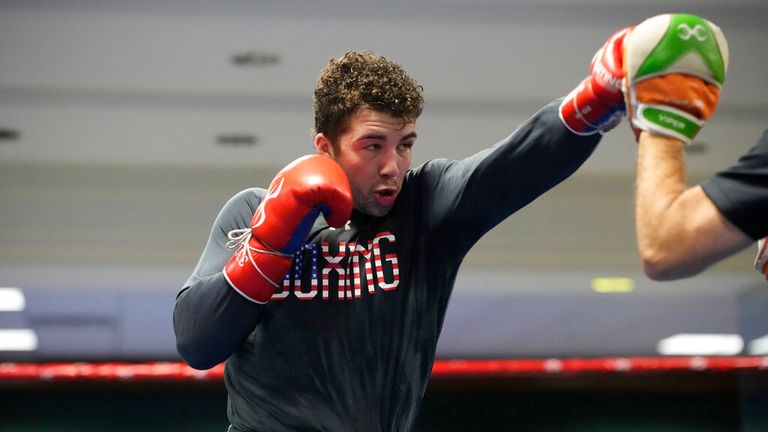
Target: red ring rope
(441, 369)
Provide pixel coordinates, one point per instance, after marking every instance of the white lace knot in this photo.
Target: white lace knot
(240, 238)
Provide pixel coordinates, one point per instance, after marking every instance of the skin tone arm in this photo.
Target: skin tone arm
(679, 230)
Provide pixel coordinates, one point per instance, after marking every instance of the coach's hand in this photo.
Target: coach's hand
(674, 67)
(597, 104)
(298, 194)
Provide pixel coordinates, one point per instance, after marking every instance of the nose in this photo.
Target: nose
(389, 165)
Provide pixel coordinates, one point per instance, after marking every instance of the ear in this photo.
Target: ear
(323, 145)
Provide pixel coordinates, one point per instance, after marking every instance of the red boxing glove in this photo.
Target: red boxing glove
(298, 194)
(597, 104)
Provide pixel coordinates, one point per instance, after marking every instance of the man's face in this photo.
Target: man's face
(375, 153)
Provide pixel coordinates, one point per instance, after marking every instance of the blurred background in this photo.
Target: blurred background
(125, 126)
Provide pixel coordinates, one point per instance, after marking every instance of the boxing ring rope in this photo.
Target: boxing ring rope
(474, 368)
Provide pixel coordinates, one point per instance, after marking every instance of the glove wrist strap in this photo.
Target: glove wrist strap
(668, 121)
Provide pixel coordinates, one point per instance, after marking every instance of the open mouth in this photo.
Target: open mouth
(386, 195)
(388, 192)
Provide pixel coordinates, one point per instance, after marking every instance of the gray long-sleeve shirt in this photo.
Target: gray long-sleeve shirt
(349, 342)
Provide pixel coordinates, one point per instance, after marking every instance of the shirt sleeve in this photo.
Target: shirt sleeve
(210, 318)
(741, 191)
(473, 195)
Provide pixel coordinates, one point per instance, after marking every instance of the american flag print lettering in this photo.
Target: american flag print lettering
(351, 269)
(313, 273)
(333, 265)
(390, 260)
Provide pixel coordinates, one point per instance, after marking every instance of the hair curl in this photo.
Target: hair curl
(363, 80)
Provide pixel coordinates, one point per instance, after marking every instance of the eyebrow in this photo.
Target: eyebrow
(411, 135)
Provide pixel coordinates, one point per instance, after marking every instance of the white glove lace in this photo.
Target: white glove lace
(240, 238)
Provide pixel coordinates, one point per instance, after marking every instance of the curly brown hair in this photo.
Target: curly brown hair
(363, 80)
